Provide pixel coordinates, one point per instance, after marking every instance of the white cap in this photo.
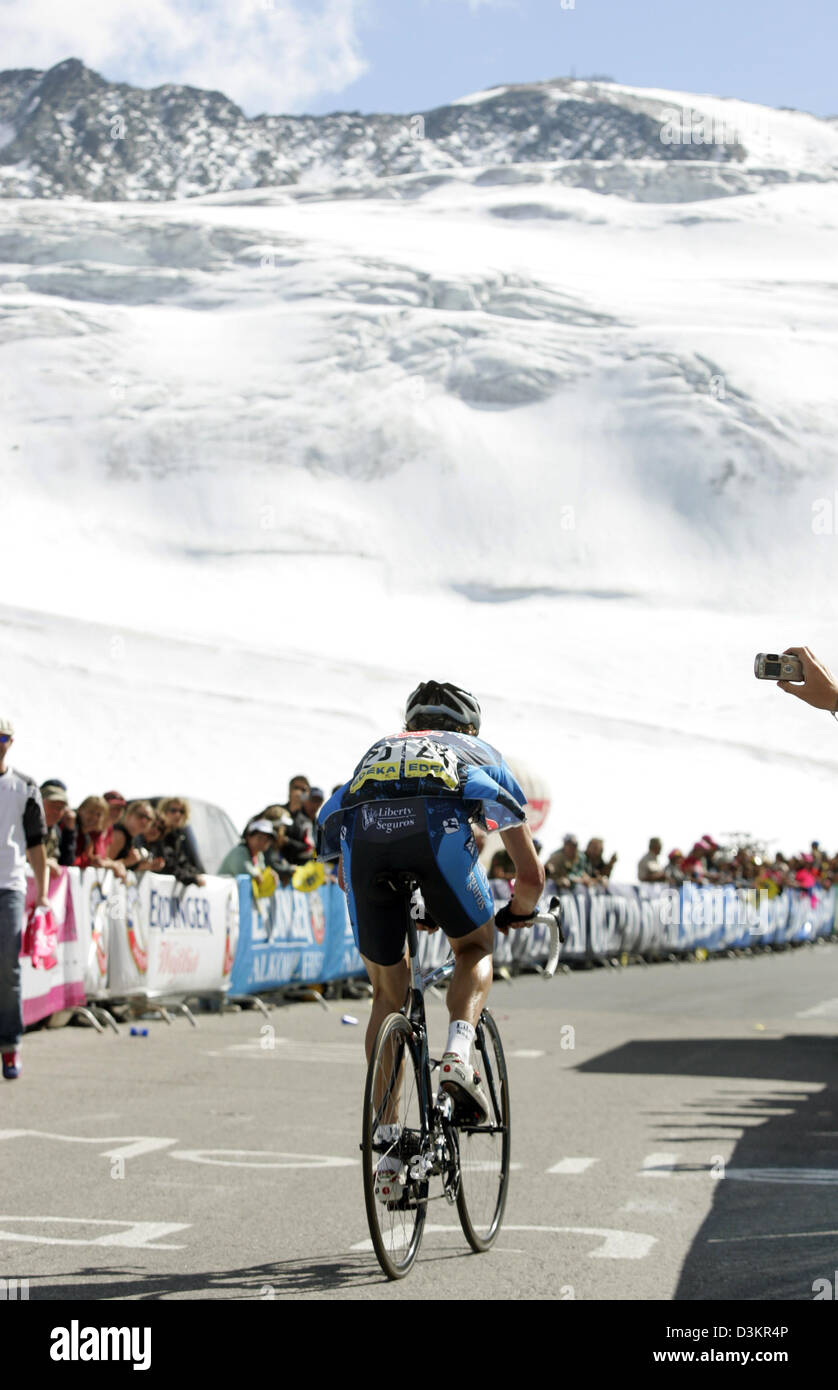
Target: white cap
(264, 827)
(7, 727)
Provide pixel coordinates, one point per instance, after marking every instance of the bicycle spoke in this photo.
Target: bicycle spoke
(484, 1149)
(392, 1137)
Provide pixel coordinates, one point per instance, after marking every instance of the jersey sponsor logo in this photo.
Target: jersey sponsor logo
(438, 769)
(376, 772)
(451, 825)
(475, 888)
(384, 818)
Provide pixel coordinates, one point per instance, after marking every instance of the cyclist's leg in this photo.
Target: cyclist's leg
(458, 895)
(468, 989)
(377, 914)
(389, 988)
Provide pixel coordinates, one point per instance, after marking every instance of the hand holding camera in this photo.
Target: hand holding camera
(799, 672)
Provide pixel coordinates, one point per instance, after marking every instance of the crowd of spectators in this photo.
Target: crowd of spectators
(109, 832)
(569, 866)
(278, 839)
(745, 865)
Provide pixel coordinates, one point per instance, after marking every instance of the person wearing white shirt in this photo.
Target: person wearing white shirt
(651, 868)
(23, 833)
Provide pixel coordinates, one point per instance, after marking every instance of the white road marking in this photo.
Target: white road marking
(658, 1165)
(782, 1235)
(486, 1166)
(526, 1052)
(249, 1158)
(573, 1165)
(828, 1008)
(649, 1205)
(615, 1245)
(667, 1166)
(138, 1235)
(286, 1049)
(127, 1145)
(822, 1176)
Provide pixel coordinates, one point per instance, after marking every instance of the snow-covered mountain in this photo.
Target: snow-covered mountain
(522, 393)
(68, 131)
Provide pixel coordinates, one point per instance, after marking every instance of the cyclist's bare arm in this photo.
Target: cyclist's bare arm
(529, 871)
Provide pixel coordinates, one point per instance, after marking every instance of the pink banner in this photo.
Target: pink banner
(50, 958)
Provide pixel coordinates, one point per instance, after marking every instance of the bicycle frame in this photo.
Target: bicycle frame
(441, 1140)
(414, 1009)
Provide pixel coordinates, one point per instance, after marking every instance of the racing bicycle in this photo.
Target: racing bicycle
(433, 1143)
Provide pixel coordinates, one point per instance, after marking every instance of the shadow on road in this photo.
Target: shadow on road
(773, 1226)
(276, 1279)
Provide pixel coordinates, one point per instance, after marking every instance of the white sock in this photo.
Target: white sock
(460, 1039)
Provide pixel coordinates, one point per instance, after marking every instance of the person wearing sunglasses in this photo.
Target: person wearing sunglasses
(137, 819)
(177, 846)
(299, 839)
(23, 833)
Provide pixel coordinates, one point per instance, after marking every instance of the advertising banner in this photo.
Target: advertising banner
(168, 940)
(293, 938)
(99, 901)
(50, 961)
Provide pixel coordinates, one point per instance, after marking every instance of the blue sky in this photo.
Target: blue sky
(411, 55)
(425, 52)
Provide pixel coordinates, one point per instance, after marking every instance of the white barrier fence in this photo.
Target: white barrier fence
(156, 939)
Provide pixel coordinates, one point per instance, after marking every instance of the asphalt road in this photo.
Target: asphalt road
(675, 1136)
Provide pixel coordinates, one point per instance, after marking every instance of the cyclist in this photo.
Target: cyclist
(409, 807)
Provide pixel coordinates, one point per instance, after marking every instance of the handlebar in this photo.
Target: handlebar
(554, 920)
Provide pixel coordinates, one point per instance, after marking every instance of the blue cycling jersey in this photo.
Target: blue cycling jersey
(427, 763)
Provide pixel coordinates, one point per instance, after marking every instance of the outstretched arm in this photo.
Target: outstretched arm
(819, 687)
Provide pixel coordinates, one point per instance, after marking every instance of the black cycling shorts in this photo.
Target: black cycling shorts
(433, 841)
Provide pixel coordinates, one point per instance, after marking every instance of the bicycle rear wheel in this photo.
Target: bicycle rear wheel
(484, 1149)
(393, 1097)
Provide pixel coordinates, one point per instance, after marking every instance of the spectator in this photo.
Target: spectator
(23, 833)
(599, 869)
(818, 688)
(652, 868)
(92, 836)
(151, 840)
(313, 802)
(126, 834)
(61, 826)
(299, 842)
(675, 875)
(116, 805)
(281, 822)
(692, 864)
(567, 865)
(248, 857)
(181, 859)
(502, 866)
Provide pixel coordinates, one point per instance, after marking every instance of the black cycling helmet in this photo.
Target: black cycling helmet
(433, 700)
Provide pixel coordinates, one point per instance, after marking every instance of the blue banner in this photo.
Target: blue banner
(292, 938)
(651, 920)
(296, 938)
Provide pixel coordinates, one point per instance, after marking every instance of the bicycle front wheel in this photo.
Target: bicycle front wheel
(394, 1135)
(484, 1149)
